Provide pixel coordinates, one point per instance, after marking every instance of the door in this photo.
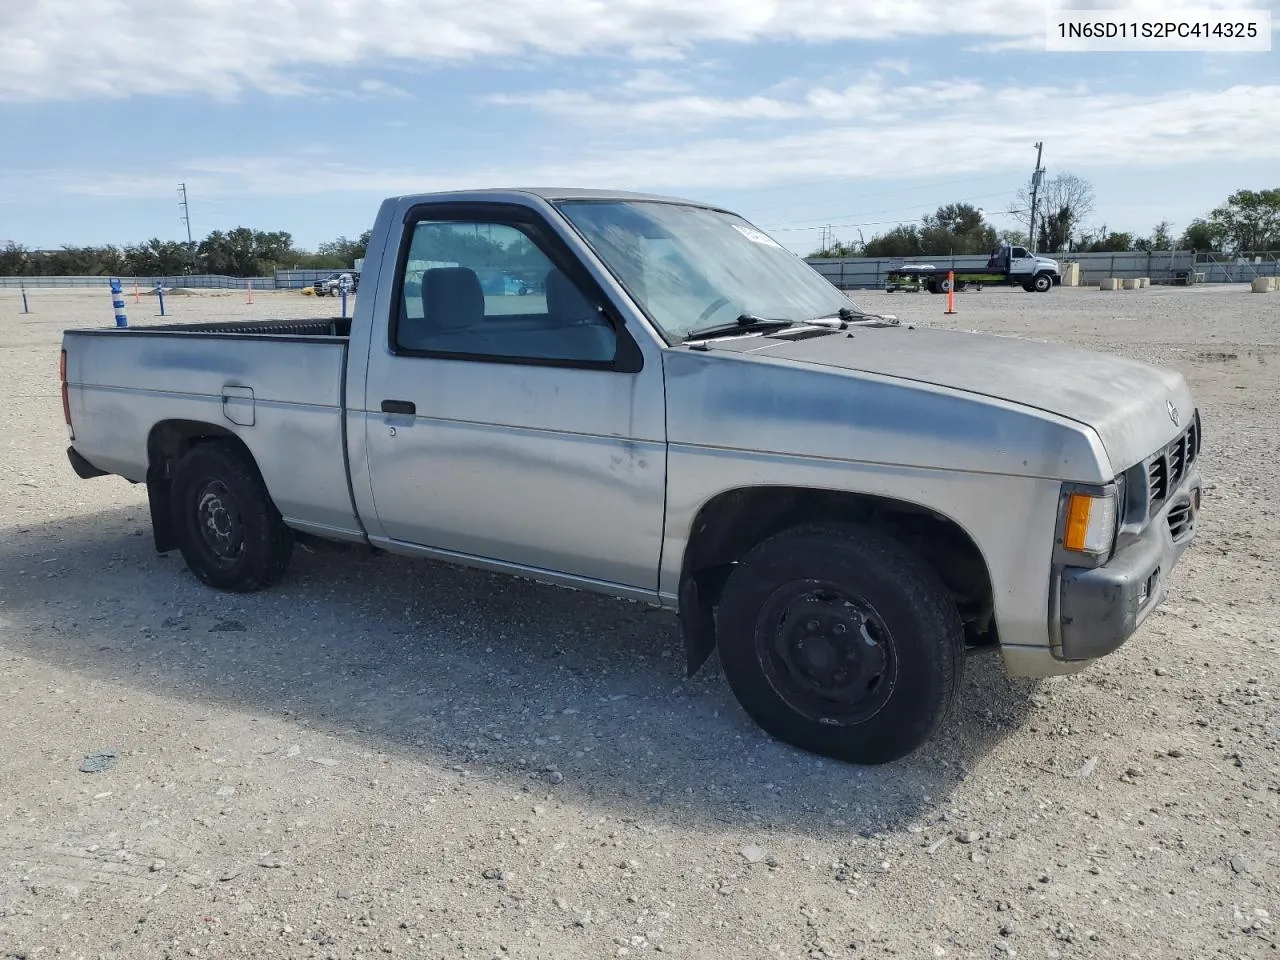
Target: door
(511, 415)
(1021, 262)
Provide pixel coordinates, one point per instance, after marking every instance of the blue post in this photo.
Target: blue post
(344, 300)
(25, 308)
(160, 294)
(117, 301)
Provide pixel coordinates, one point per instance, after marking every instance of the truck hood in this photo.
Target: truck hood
(1128, 403)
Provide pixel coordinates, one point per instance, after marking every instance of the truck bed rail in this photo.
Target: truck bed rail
(335, 327)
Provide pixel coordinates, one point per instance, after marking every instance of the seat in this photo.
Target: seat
(452, 313)
(577, 331)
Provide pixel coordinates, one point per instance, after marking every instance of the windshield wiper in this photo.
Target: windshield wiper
(745, 323)
(847, 315)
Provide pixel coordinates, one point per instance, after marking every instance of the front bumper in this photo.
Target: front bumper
(1098, 609)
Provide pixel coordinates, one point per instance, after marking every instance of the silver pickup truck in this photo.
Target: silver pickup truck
(680, 412)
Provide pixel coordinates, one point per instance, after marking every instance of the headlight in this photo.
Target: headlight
(1089, 522)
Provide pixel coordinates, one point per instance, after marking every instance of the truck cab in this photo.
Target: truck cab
(1019, 262)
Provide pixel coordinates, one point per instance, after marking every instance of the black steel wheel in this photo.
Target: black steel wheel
(1043, 283)
(837, 639)
(229, 531)
(826, 652)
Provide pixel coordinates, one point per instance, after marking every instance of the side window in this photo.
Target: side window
(1020, 253)
(486, 289)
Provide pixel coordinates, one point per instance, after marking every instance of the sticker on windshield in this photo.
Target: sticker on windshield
(755, 236)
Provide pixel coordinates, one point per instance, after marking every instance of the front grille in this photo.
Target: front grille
(1180, 520)
(1177, 460)
(1158, 480)
(1167, 468)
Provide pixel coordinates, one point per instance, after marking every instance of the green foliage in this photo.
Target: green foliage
(1160, 239)
(1248, 221)
(959, 229)
(839, 249)
(1055, 229)
(955, 228)
(1200, 235)
(242, 252)
(1111, 242)
(901, 241)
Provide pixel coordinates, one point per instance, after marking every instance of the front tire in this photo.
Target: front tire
(1043, 283)
(838, 640)
(229, 531)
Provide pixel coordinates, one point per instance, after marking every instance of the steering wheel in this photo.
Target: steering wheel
(716, 305)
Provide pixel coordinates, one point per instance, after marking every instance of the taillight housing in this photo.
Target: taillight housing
(66, 396)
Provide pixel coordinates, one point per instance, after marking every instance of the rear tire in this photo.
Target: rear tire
(840, 641)
(229, 531)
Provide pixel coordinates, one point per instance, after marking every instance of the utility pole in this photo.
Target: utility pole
(186, 218)
(1035, 190)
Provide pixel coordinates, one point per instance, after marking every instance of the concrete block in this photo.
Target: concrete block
(1144, 282)
(1071, 274)
(1110, 283)
(1131, 283)
(1265, 284)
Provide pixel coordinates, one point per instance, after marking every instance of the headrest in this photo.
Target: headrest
(566, 302)
(451, 298)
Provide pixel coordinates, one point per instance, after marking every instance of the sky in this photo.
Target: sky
(302, 115)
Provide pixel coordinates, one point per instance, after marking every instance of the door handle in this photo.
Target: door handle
(399, 406)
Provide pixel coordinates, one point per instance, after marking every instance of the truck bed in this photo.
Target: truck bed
(278, 385)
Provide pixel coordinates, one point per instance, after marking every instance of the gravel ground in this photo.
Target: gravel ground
(383, 756)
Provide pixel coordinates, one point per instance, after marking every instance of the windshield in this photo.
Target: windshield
(691, 268)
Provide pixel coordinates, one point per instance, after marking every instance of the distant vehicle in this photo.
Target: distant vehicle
(332, 285)
(688, 415)
(504, 284)
(1007, 266)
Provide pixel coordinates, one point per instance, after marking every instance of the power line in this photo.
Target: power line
(887, 193)
(841, 179)
(834, 222)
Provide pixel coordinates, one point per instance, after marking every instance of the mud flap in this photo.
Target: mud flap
(697, 623)
(159, 499)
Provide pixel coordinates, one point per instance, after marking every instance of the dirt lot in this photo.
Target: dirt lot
(391, 757)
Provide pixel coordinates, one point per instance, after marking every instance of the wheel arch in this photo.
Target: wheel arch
(167, 442)
(729, 524)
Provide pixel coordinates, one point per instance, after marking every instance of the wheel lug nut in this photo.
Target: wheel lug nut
(812, 625)
(841, 628)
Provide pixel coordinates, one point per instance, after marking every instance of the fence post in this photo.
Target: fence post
(117, 301)
(25, 308)
(160, 294)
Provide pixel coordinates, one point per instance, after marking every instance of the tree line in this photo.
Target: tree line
(242, 252)
(1247, 221)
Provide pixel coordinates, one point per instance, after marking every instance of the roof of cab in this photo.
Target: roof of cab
(549, 194)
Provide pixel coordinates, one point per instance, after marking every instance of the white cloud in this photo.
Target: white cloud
(870, 99)
(66, 49)
(1089, 130)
